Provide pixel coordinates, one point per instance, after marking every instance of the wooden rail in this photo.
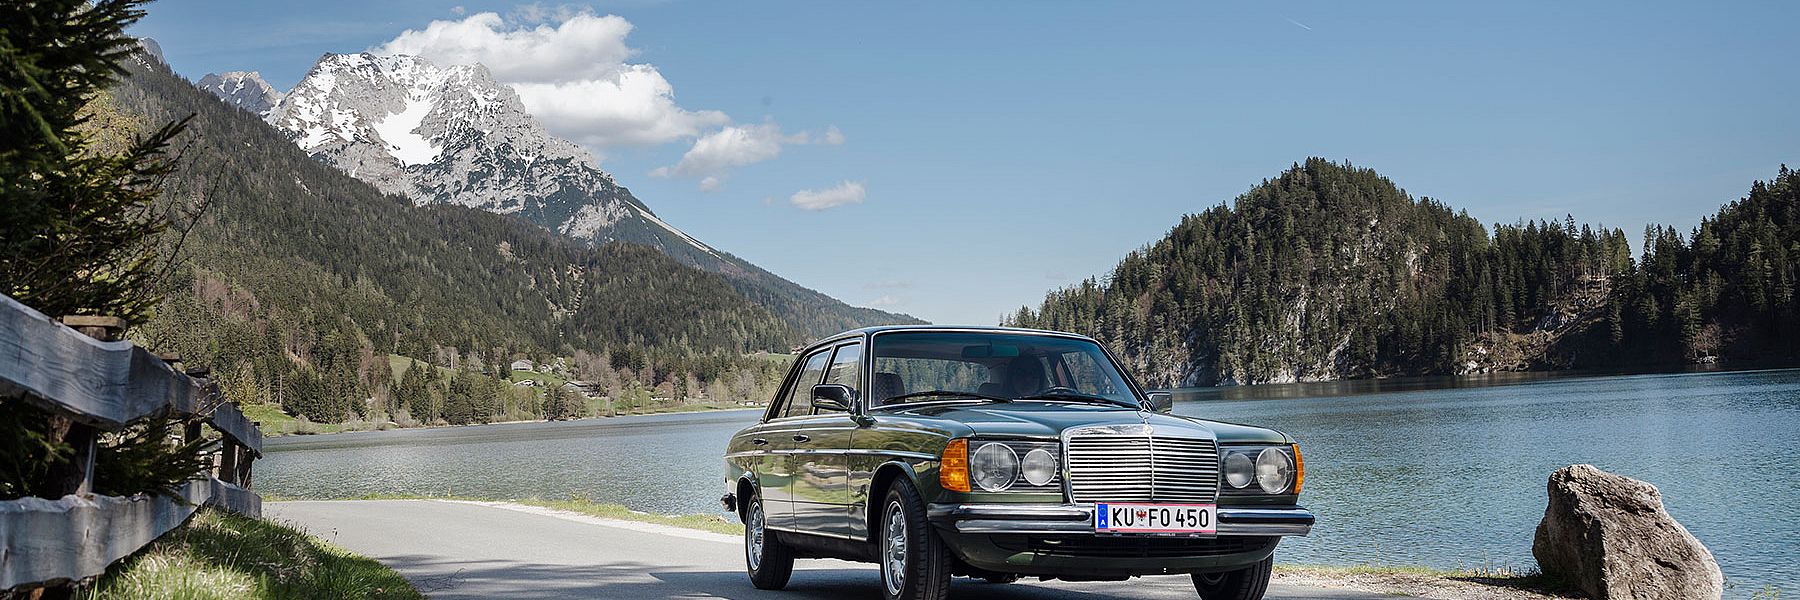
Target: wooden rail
(93, 384)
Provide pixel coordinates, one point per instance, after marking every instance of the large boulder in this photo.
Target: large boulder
(1609, 536)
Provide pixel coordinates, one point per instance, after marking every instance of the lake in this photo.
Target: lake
(1445, 472)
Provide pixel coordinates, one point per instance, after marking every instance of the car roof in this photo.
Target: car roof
(868, 331)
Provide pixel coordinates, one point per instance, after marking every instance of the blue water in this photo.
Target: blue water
(1439, 472)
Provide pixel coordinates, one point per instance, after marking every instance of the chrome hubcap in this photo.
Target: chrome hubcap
(753, 536)
(894, 559)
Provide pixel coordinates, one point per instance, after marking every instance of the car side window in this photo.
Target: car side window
(799, 400)
(1081, 372)
(846, 366)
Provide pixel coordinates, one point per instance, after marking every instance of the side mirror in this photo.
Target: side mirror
(832, 396)
(1162, 402)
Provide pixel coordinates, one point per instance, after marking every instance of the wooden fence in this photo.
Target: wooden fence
(92, 384)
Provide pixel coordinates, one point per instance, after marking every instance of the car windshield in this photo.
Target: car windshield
(910, 366)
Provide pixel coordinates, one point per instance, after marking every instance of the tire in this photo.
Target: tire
(915, 565)
(1248, 583)
(768, 561)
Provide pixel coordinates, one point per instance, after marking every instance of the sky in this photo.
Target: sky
(956, 161)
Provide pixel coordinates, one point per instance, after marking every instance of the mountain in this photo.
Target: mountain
(1329, 271)
(297, 282)
(243, 89)
(452, 135)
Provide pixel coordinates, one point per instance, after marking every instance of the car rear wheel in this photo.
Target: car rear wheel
(1248, 583)
(768, 561)
(915, 565)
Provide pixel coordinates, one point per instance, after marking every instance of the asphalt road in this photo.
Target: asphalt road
(479, 550)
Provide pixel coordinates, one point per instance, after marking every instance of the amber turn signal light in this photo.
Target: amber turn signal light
(1299, 469)
(953, 467)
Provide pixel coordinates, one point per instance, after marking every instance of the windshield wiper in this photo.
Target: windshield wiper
(1075, 397)
(952, 393)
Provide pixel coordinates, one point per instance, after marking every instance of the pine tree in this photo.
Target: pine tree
(79, 224)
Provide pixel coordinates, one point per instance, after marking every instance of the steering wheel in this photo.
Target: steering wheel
(1057, 389)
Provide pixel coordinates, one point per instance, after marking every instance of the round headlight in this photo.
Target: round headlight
(1240, 471)
(1274, 471)
(994, 467)
(1040, 467)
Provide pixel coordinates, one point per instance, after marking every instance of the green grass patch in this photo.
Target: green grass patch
(397, 365)
(274, 422)
(223, 555)
(713, 523)
(681, 408)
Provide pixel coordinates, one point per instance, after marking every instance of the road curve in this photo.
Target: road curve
(454, 549)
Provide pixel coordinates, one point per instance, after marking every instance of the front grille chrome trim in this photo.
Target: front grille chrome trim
(1140, 463)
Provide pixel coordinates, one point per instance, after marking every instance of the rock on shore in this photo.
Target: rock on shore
(1609, 536)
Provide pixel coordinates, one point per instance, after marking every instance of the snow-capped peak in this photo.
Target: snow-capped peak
(451, 134)
(243, 89)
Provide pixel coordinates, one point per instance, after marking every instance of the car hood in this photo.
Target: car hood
(1048, 419)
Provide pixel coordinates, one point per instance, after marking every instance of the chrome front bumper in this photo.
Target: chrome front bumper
(1079, 518)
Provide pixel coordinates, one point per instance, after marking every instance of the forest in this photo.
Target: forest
(302, 288)
(1331, 271)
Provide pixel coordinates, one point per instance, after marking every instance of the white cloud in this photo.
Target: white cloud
(733, 146)
(573, 76)
(884, 301)
(710, 184)
(717, 153)
(848, 192)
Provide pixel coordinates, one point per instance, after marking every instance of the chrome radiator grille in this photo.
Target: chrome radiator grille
(1120, 467)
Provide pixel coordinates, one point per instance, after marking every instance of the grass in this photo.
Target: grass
(712, 523)
(397, 366)
(274, 422)
(223, 555)
(697, 407)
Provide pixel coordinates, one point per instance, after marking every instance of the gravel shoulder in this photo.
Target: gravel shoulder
(1415, 583)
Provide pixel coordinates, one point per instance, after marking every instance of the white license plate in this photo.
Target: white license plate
(1123, 517)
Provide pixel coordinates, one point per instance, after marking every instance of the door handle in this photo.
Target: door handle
(801, 438)
(760, 442)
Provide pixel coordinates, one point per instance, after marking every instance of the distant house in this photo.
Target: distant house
(525, 382)
(522, 365)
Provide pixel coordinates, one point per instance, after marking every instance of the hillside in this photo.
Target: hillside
(299, 280)
(451, 134)
(1331, 272)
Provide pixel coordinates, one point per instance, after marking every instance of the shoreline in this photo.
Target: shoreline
(390, 426)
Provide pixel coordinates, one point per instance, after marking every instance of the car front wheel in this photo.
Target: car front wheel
(915, 565)
(769, 562)
(1248, 583)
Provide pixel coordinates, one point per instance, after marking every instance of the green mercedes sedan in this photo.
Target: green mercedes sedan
(1003, 453)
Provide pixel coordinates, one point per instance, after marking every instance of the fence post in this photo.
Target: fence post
(77, 477)
(228, 461)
